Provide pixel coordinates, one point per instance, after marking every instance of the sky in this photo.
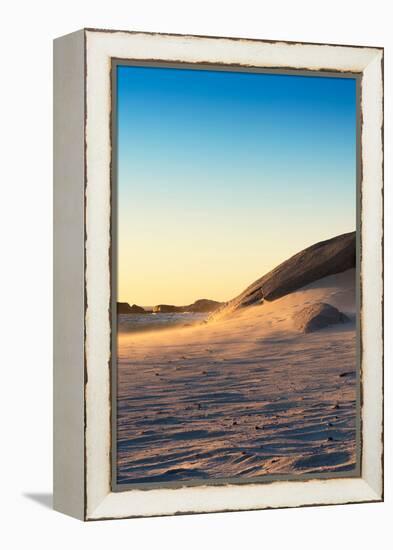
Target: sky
(224, 175)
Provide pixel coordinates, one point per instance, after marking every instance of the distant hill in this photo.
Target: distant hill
(124, 307)
(200, 306)
(319, 260)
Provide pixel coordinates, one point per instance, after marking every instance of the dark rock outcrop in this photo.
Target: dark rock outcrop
(200, 306)
(203, 305)
(315, 262)
(124, 307)
(318, 316)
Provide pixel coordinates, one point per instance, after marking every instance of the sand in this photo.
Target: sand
(247, 395)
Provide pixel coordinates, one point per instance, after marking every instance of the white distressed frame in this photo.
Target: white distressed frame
(100, 48)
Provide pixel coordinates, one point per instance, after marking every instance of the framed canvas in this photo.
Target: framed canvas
(218, 274)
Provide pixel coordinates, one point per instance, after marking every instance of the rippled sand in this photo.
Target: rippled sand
(241, 397)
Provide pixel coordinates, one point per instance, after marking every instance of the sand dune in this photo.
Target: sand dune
(245, 395)
(311, 264)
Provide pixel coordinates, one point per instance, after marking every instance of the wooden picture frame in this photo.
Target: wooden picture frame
(83, 297)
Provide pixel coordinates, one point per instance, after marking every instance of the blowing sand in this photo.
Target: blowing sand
(246, 395)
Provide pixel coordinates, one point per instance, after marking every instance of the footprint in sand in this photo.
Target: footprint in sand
(346, 374)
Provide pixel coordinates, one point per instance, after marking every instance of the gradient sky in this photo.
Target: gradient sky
(223, 175)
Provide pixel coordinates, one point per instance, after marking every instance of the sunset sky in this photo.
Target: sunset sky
(223, 175)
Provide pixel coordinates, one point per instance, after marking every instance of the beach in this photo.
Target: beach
(242, 396)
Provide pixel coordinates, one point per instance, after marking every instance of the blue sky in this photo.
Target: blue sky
(223, 175)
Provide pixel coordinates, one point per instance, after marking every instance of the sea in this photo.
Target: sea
(156, 321)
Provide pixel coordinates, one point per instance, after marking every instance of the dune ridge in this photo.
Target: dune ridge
(320, 260)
